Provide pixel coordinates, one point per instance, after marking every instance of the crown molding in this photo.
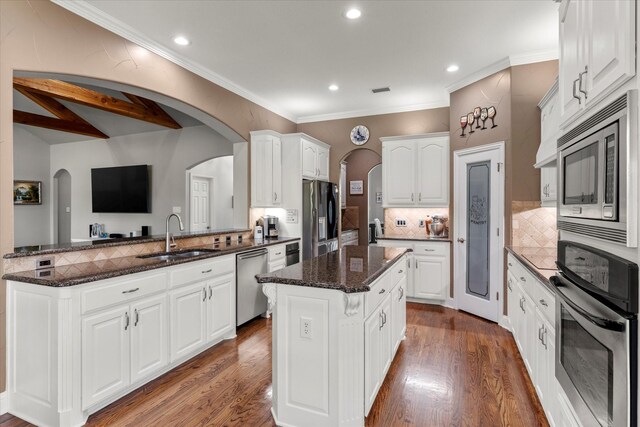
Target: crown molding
(510, 61)
(373, 112)
(85, 10)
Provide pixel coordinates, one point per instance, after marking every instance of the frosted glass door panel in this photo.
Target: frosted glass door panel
(478, 223)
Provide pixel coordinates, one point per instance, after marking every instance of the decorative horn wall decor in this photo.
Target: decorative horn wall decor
(479, 114)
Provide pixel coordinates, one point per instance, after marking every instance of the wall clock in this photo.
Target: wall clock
(359, 135)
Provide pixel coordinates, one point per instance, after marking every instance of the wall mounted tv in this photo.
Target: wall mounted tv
(123, 189)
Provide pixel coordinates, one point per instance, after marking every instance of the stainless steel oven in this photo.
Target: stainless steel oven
(596, 334)
(593, 164)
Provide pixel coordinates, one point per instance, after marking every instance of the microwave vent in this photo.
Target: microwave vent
(612, 235)
(593, 121)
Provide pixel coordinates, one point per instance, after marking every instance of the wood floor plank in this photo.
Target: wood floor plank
(453, 369)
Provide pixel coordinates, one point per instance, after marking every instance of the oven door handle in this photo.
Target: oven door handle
(610, 325)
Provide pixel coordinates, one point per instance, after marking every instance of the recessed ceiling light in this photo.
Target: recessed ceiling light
(353, 13)
(333, 88)
(181, 40)
(452, 68)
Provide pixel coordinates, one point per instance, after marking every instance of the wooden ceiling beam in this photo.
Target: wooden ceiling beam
(90, 98)
(53, 106)
(31, 119)
(152, 106)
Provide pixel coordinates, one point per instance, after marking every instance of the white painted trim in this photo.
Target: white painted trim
(373, 111)
(504, 63)
(86, 10)
(212, 219)
(4, 402)
(457, 155)
(550, 94)
(505, 322)
(412, 137)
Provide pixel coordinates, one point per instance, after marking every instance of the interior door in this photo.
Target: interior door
(200, 203)
(479, 214)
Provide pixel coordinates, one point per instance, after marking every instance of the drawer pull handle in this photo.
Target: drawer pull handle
(135, 323)
(126, 320)
(278, 253)
(130, 291)
(429, 250)
(400, 271)
(544, 303)
(523, 278)
(382, 291)
(207, 271)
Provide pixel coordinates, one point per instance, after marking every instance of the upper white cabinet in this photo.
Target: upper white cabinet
(546, 157)
(266, 169)
(415, 170)
(597, 51)
(315, 159)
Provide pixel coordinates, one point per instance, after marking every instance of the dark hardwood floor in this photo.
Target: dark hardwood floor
(454, 369)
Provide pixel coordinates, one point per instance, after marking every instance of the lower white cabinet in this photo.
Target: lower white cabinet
(188, 320)
(399, 313)
(277, 259)
(76, 349)
(544, 343)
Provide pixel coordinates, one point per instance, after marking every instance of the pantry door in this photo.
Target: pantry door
(478, 230)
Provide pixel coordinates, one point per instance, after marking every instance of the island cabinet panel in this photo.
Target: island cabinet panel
(332, 350)
(76, 349)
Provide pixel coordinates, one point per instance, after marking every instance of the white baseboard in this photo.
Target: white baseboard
(505, 323)
(4, 402)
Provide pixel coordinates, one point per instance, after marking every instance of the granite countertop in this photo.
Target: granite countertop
(351, 269)
(77, 274)
(24, 251)
(423, 238)
(539, 261)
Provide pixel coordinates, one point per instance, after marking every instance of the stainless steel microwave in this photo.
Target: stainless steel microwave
(593, 162)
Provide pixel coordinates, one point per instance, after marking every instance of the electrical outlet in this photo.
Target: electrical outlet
(306, 327)
(421, 223)
(401, 222)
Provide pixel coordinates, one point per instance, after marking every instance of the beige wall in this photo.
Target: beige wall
(359, 163)
(515, 92)
(336, 132)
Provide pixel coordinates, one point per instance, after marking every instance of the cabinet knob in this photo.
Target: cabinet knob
(544, 303)
(382, 291)
(523, 278)
(461, 240)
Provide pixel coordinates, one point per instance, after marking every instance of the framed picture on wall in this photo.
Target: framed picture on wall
(356, 187)
(27, 192)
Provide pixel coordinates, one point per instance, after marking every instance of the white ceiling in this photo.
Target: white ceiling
(284, 54)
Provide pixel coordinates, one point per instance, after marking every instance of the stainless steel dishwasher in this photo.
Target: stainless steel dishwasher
(250, 301)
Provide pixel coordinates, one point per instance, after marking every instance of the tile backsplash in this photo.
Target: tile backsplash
(533, 226)
(412, 216)
(350, 217)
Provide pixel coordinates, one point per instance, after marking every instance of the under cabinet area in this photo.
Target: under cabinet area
(76, 349)
(415, 170)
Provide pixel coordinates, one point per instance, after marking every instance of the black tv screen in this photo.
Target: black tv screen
(123, 189)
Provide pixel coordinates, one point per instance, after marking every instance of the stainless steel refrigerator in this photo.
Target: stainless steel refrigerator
(320, 206)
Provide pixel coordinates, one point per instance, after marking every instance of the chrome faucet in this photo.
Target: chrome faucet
(169, 236)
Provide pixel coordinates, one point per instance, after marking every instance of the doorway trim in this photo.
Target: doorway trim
(498, 247)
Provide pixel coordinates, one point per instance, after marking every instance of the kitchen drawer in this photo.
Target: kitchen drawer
(398, 271)
(201, 270)
(379, 290)
(122, 290)
(544, 300)
(276, 253)
(514, 266)
(431, 249)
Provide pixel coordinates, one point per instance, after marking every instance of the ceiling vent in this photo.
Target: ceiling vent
(381, 89)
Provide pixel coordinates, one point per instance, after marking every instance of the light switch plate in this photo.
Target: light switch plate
(421, 223)
(401, 222)
(177, 209)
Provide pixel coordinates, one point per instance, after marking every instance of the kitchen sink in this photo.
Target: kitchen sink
(177, 255)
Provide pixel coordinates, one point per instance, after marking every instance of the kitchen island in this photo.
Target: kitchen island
(338, 321)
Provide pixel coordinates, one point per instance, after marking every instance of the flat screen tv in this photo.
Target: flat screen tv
(123, 189)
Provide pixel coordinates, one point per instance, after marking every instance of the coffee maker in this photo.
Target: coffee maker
(270, 226)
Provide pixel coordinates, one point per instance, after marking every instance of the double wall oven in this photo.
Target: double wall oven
(594, 166)
(596, 334)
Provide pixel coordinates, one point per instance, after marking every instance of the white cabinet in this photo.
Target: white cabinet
(399, 313)
(266, 170)
(188, 317)
(548, 185)
(277, 258)
(531, 309)
(105, 351)
(148, 336)
(597, 51)
(549, 126)
(220, 307)
(122, 345)
(415, 170)
(431, 276)
(315, 160)
(379, 350)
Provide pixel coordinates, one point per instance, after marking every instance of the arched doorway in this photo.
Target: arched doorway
(62, 206)
(356, 166)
